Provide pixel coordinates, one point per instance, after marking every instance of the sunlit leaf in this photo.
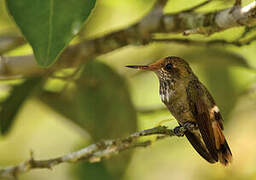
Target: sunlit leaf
(49, 25)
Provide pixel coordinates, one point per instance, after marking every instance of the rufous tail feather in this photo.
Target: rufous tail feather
(224, 152)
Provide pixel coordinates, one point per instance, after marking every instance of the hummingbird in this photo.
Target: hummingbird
(190, 103)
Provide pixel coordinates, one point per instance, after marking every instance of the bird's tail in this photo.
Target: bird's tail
(223, 150)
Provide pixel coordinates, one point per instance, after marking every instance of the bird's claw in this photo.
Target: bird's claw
(180, 130)
(189, 126)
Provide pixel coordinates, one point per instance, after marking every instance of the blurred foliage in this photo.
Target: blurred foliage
(13, 103)
(43, 25)
(93, 171)
(100, 103)
(97, 104)
(100, 99)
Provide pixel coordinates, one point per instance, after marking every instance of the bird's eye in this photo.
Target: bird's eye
(169, 67)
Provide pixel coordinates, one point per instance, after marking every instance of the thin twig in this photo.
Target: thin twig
(92, 153)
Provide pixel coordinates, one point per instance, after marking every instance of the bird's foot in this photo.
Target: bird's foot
(180, 130)
(189, 126)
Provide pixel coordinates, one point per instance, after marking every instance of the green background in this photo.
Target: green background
(50, 131)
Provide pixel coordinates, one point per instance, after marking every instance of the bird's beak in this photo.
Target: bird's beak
(139, 67)
(151, 67)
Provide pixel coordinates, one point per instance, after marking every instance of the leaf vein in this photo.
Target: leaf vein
(50, 30)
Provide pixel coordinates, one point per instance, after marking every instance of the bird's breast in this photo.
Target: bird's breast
(167, 91)
(173, 95)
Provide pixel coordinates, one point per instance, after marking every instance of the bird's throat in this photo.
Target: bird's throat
(167, 90)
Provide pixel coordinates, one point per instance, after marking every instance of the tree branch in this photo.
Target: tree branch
(141, 33)
(95, 152)
(8, 42)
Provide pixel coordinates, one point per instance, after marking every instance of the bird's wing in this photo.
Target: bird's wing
(200, 110)
(214, 110)
(196, 141)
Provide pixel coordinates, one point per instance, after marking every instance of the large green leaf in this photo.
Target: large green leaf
(103, 100)
(13, 103)
(49, 25)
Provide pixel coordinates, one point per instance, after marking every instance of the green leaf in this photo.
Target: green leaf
(13, 103)
(104, 101)
(49, 25)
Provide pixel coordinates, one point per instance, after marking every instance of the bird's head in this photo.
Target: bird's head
(170, 67)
